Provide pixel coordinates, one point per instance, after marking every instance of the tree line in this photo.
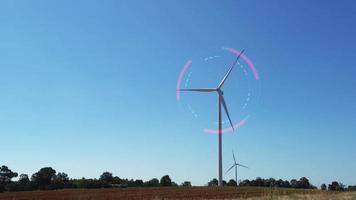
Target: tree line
(302, 183)
(48, 179)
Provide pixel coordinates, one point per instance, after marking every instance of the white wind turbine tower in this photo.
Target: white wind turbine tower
(221, 101)
(236, 165)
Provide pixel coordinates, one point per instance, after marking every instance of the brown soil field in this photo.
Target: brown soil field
(156, 193)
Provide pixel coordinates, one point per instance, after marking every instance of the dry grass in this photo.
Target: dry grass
(319, 196)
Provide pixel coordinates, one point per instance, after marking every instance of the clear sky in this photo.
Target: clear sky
(89, 86)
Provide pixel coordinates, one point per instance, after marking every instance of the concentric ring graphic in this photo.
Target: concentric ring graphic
(235, 53)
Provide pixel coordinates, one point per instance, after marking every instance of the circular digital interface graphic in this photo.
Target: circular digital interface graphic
(206, 70)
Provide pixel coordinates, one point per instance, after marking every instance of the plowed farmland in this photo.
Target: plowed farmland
(154, 193)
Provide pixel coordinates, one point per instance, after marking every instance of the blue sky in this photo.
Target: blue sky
(89, 86)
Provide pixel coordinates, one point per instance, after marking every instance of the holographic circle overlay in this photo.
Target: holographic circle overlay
(185, 76)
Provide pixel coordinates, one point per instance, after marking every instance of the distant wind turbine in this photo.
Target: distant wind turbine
(221, 101)
(236, 165)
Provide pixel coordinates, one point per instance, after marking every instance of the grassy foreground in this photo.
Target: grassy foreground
(250, 193)
(321, 196)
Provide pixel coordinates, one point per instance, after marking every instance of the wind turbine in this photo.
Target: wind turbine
(236, 165)
(221, 101)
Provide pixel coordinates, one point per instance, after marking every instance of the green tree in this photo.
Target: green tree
(333, 186)
(323, 186)
(174, 184)
(23, 179)
(186, 184)
(24, 183)
(231, 182)
(43, 178)
(116, 180)
(13, 187)
(294, 183)
(271, 182)
(60, 181)
(6, 174)
(152, 183)
(5, 177)
(166, 181)
(278, 183)
(259, 182)
(213, 182)
(351, 188)
(106, 177)
(336, 186)
(245, 183)
(286, 184)
(138, 183)
(304, 183)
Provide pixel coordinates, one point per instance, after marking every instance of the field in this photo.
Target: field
(252, 193)
(321, 196)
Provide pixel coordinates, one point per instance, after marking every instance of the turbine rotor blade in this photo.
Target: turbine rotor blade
(226, 111)
(199, 89)
(230, 168)
(241, 165)
(229, 71)
(233, 155)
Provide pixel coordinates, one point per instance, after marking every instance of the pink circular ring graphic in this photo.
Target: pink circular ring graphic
(236, 53)
(181, 76)
(247, 60)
